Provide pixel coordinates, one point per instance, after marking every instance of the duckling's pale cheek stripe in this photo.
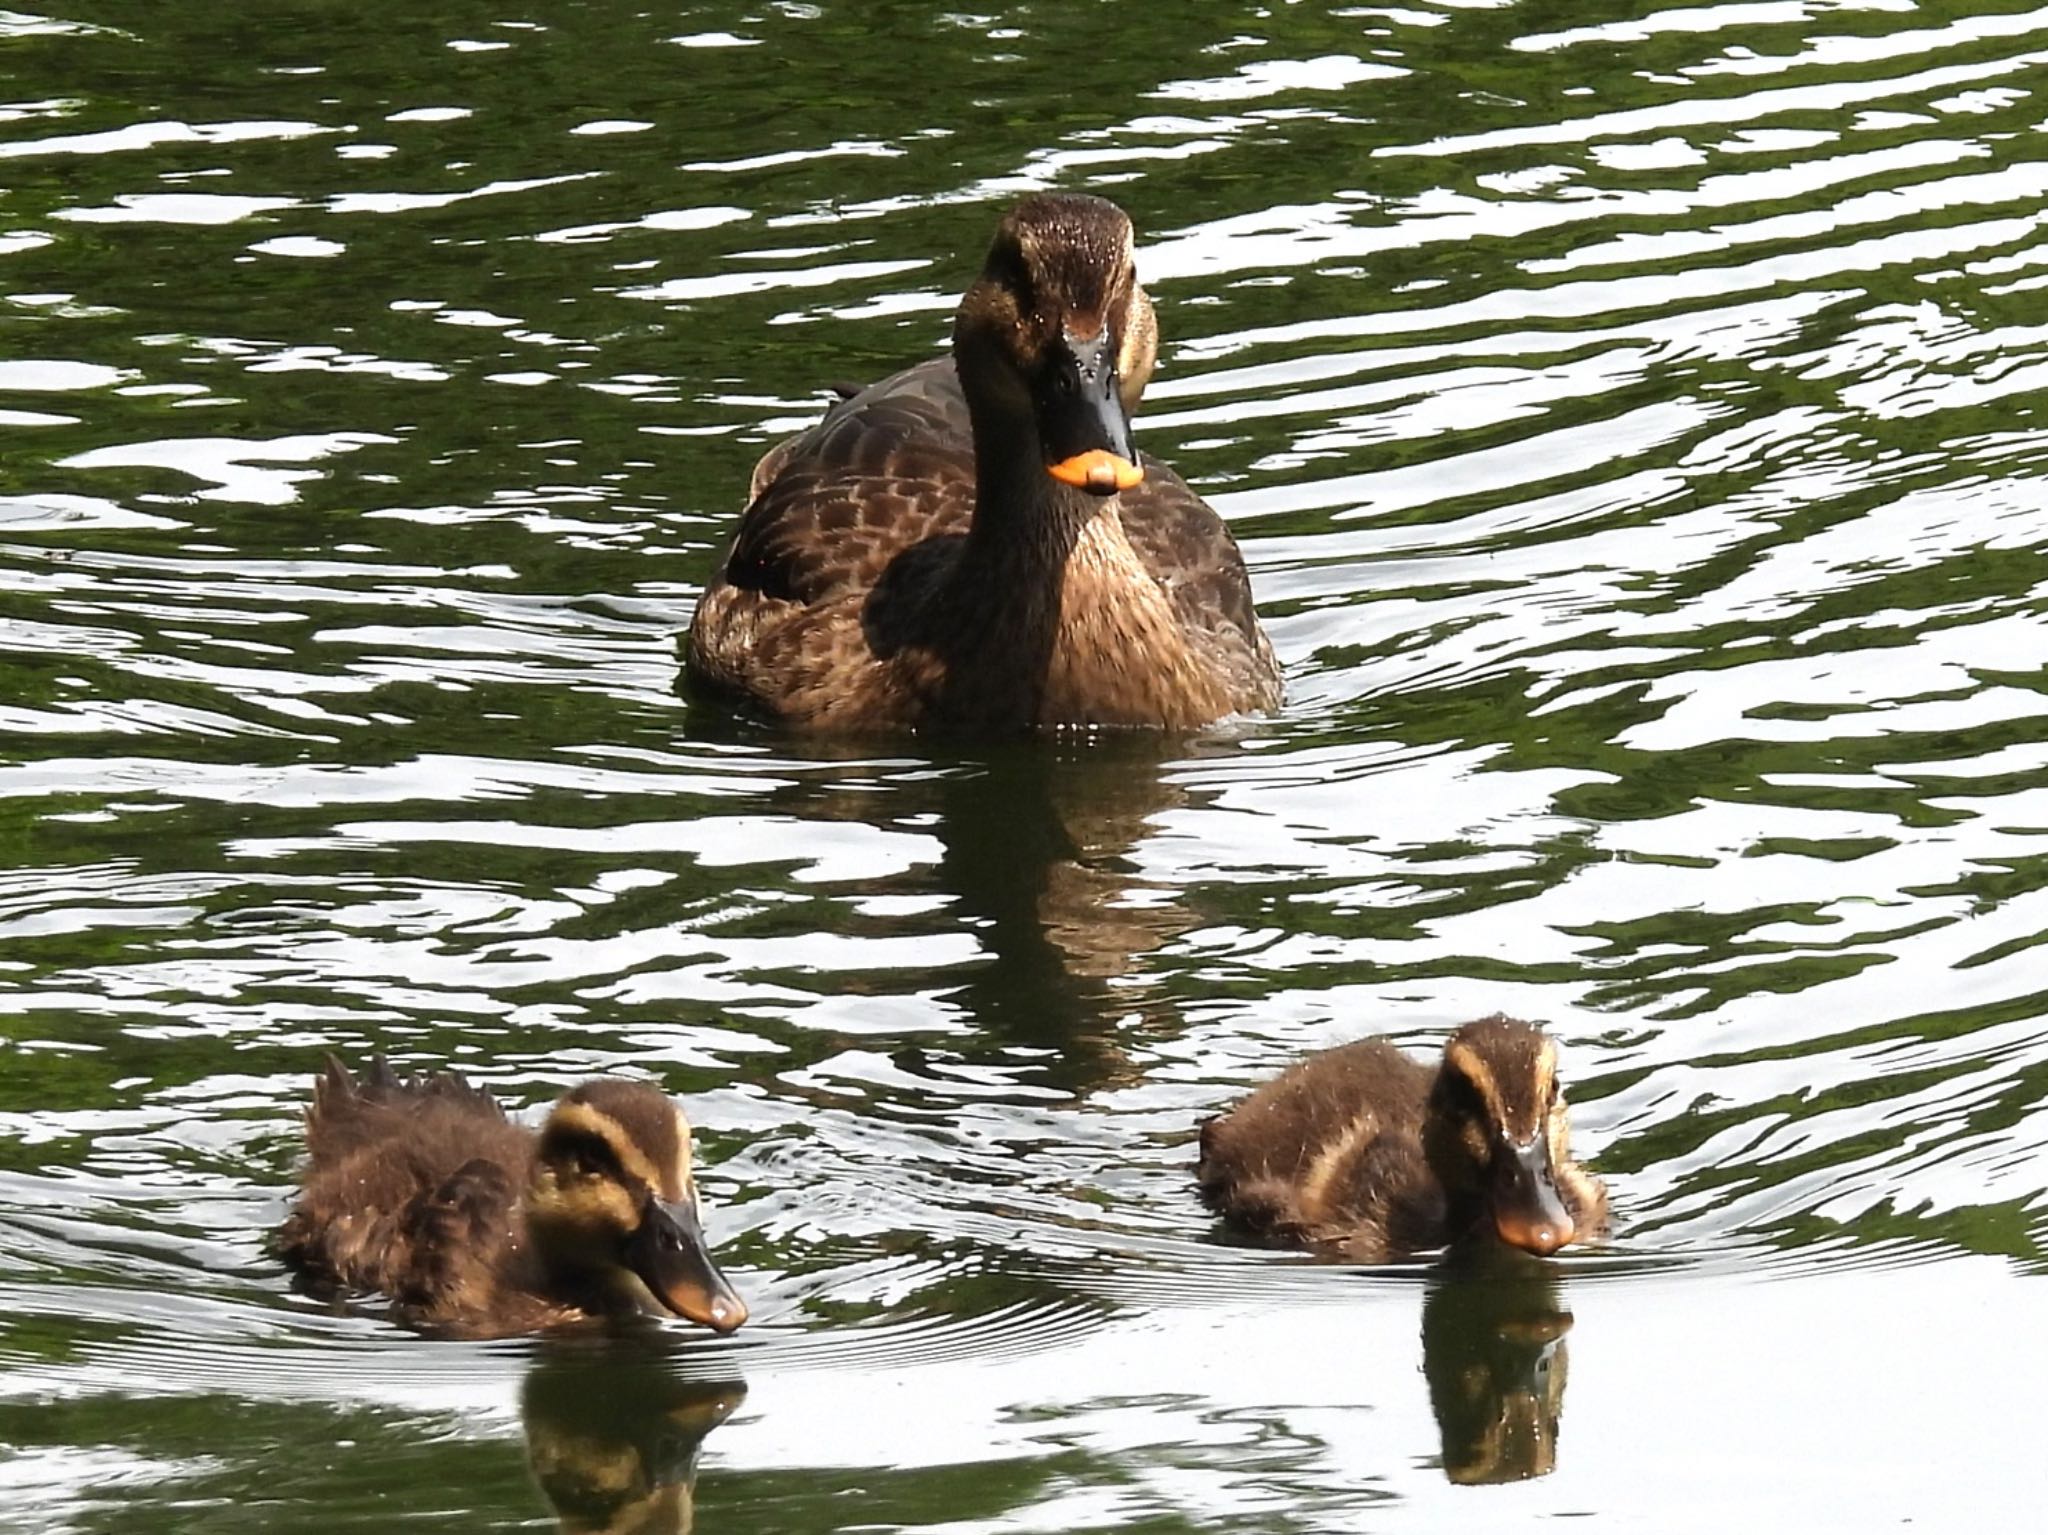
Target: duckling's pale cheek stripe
(1480, 1075)
(1546, 1076)
(585, 1204)
(617, 1208)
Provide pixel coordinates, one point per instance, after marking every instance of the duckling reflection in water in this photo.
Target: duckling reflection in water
(1367, 1155)
(612, 1441)
(1493, 1349)
(974, 542)
(422, 1190)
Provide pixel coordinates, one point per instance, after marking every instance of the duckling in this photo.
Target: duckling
(975, 543)
(1364, 1154)
(423, 1190)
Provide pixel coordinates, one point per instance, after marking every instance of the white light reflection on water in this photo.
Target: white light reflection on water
(1631, 427)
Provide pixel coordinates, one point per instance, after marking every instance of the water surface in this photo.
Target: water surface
(1630, 420)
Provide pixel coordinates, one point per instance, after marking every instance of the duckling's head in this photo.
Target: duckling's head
(611, 1207)
(1498, 1135)
(1057, 338)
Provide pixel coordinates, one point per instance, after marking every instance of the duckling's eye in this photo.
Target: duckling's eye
(668, 1238)
(586, 1157)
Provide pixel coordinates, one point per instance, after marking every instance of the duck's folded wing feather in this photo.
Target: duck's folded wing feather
(832, 506)
(451, 1240)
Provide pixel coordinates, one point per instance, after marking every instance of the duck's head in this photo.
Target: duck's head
(611, 1207)
(1057, 339)
(1498, 1136)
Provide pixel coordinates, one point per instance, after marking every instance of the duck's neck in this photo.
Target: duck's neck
(563, 1278)
(1070, 625)
(1028, 527)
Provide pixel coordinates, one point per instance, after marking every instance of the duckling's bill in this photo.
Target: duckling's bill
(671, 1257)
(1528, 1211)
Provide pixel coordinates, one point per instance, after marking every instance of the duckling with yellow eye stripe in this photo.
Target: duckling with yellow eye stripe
(422, 1190)
(1367, 1155)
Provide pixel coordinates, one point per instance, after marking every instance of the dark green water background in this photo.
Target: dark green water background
(1632, 420)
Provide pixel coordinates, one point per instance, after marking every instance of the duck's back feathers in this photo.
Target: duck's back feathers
(348, 1115)
(1335, 1135)
(410, 1188)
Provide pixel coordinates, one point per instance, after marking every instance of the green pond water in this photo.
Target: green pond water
(1632, 421)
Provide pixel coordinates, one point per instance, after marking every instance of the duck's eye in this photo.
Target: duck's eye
(1064, 384)
(585, 1157)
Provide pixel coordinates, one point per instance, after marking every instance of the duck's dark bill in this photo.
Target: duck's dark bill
(669, 1254)
(1528, 1212)
(1098, 470)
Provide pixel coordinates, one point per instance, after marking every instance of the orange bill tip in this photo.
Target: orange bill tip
(1535, 1233)
(1098, 470)
(716, 1308)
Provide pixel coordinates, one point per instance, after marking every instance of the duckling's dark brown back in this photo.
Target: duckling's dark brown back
(409, 1188)
(1330, 1153)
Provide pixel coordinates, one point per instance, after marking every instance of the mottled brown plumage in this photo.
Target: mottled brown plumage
(1368, 1155)
(421, 1189)
(962, 544)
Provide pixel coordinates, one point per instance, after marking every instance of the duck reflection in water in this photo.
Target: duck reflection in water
(612, 1435)
(1037, 844)
(1034, 863)
(1493, 1349)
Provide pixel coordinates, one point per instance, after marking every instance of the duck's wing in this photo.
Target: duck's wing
(377, 1148)
(887, 468)
(1287, 1156)
(448, 1245)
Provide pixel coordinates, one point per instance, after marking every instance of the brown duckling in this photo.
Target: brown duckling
(1367, 1155)
(974, 542)
(423, 1190)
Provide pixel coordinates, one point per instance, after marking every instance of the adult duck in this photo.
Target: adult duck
(975, 543)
